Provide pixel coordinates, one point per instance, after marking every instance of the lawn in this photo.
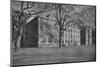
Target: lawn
(27, 56)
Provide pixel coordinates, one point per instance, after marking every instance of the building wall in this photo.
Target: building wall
(72, 35)
(48, 37)
(94, 37)
(83, 36)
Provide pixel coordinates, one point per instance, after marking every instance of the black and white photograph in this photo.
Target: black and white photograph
(52, 33)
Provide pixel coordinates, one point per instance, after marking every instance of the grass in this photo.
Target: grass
(26, 56)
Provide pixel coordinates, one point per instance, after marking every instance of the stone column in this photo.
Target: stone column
(87, 39)
(90, 36)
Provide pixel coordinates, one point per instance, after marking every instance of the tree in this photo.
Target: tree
(90, 19)
(62, 13)
(20, 15)
(86, 19)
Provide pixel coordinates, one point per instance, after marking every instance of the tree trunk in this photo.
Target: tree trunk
(60, 30)
(60, 36)
(18, 40)
(88, 36)
(15, 45)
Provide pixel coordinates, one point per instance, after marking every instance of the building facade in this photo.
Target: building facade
(72, 35)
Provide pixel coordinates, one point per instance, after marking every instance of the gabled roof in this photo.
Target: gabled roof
(30, 18)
